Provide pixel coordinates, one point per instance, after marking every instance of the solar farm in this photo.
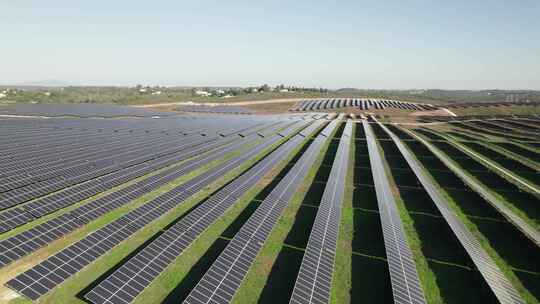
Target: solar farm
(111, 204)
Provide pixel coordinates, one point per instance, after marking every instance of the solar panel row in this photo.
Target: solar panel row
(497, 281)
(406, 287)
(225, 275)
(314, 279)
(16, 247)
(40, 279)
(363, 104)
(132, 278)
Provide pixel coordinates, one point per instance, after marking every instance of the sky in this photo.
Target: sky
(480, 44)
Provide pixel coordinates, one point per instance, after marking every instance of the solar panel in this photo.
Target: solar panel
(53, 271)
(131, 279)
(406, 287)
(15, 217)
(512, 217)
(225, 275)
(494, 277)
(314, 279)
(19, 245)
(336, 103)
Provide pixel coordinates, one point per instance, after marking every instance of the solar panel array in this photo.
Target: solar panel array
(500, 206)
(361, 103)
(40, 279)
(19, 245)
(76, 171)
(42, 206)
(406, 287)
(491, 104)
(225, 275)
(78, 109)
(22, 187)
(495, 278)
(84, 185)
(22, 173)
(135, 275)
(314, 280)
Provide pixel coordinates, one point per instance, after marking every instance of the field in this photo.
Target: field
(260, 204)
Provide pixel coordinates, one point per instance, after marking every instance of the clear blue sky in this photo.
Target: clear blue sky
(366, 44)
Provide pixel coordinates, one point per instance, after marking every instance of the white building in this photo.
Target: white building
(202, 93)
(3, 95)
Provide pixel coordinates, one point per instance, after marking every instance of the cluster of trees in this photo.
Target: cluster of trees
(256, 89)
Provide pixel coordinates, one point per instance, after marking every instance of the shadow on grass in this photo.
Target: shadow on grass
(301, 229)
(368, 236)
(237, 224)
(362, 175)
(530, 281)
(417, 200)
(459, 285)
(438, 241)
(405, 178)
(322, 173)
(339, 131)
(364, 197)
(473, 204)
(359, 132)
(280, 283)
(517, 250)
(370, 281)
(180, 292)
